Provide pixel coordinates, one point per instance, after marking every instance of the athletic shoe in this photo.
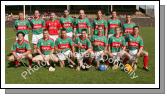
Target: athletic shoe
(146, 68)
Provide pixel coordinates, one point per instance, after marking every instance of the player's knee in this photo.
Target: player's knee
(10, 58)
(146, 54)
(34, 60)
(29, 56)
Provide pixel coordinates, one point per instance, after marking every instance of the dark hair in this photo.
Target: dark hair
(136, 27)
(100, 11)
(67, 10)
(113, 11)
(63, 29)
(83, 30)
(20, 33)
(45, 30)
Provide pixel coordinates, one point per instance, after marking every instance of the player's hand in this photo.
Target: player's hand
(110, 54)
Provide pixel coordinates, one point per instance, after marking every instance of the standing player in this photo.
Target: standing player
(45, 48)
(64, 47)
(128, 26)
(38, 25)
(116, 45)
(113, 23)
(82, 23)
(135, 46)
(83, 47)
(67, 22)
(20, 49)
(53, 25)
(99, 43)
(99, 21)
(22, 25)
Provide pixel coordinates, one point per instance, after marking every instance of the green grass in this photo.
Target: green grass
(70, 76)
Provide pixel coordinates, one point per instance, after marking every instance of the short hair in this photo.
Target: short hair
(63, 29)
(83, 30)
(45, 30)
(136, 27)
(67, 10)
(100, 11)
(118, 28)
(113, 11)
(20, 33)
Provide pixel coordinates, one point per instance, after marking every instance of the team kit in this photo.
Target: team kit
(76, 40)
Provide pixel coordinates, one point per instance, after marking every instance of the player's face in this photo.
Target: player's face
(45, 34)
(52, 16)
(99, 14)
(63, 34)
(81, 13)
(20, 37)
(128, 18)
(66, 13)
(114, 14)
(136, 30)
(36, 13)
(21, 16)
(117, 30)
(83, 34)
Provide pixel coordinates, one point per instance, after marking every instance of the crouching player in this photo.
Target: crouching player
(99, 43)
(135, 46)
(116, 46)
(45, 48)
(20, 49)
(83, 48)
(64, 47)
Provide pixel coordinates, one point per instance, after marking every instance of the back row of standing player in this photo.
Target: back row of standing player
(74, 29)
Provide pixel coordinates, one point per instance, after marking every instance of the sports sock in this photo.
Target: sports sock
(145, 61)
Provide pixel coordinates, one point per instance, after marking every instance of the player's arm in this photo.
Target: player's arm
(140, 47)
(106, 45)
(52, 46)
(89, 27)
(43, 24)
(56, 46)
(28, 25)
(28, 50)
(123, 44)
(89, 47)
(71, 44)
(106, 28)
(38, 49)
(14, 51)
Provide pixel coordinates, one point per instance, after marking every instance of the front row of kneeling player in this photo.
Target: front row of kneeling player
(82, 49)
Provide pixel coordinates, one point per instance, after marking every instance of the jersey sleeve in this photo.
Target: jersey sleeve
(28, 46)
(15, 24)
(123, 42)
(89, 43)
(58, 24)
(88, 22)
(92, 38)
(28, 24)
(76, 40)
(39, 44)
(75, 23)
(106, 41)
(52, 44)
(105, 24)
(71, 42)
(13, 48)
(43, 23)
(56, 42)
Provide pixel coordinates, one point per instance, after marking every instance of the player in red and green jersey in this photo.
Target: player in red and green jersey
(20, 49)
(116, 46)
(53, 26)
(45, 48)
(38, 25)
(99, 43)
(22, 25)
(67, 22)
(128, 26)
(99, 21)
(64, 46)
(135, 46)
(113, 23)
(82, 23)
(83, 47)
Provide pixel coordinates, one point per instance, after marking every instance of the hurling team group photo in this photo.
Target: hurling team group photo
(79, 44)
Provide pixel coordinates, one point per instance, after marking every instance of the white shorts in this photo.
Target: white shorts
(20, 54)
(54, 37)
(110, 35)
(80, 56)
(133, 52)
(98, 56)
(25, 37)
(70, 34)
(63, 56)
(35, 38)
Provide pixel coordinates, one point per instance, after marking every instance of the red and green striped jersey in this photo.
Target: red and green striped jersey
(116, 43)
(99, 22)
(102, 40)
(22, 25)
(67, 23)
(112, 24)
(86, 44)
(37, 25)
(128, 28)
(64, 44)
(81, 24)
(45, 46)
(21, 47)
(134, 42)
